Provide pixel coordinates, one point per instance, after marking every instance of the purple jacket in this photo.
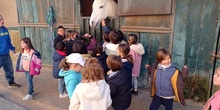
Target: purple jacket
(35, 64)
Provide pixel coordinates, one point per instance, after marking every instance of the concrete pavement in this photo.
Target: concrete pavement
(46, 97)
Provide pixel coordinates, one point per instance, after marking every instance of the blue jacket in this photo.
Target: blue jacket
(56, 61)
(120, 89)
(128, 66)
(5, 41)
(71, 79)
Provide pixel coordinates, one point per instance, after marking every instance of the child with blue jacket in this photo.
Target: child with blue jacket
(58, 55)
(71, 67)
(166, 81)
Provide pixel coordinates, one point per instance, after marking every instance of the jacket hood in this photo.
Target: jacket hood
(138, 48)
(57, 56)
(66, 73)
(93, 90)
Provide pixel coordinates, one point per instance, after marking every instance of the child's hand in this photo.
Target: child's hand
(146, 66)
(103, 22)
(185, 67)
(87, 35)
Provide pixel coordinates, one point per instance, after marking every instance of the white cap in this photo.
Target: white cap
(75, 58)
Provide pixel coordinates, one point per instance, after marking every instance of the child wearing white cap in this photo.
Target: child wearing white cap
(71, 67)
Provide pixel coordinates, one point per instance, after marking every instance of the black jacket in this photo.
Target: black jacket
(58, 39)
(102, 58)
(120, 90)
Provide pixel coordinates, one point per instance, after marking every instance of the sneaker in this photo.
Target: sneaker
(135, 93)
(13, 85)
(28, 97)
(64, 95)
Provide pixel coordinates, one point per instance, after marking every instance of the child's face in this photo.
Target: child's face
(61, 31)
(24, 45)
(166, 61)
(216, 78)
(1, 21)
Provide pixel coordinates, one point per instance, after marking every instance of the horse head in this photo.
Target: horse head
(101, 10)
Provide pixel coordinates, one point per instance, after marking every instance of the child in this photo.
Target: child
(101, 56)
(166, 82)
(106, 40)
(70, 36)
(127, 59)
(29, 61)
(213, 102)
(137, 50)
(60, 36)
(93, 93)
(111, 48)
(58, 55)
(92, 42)
(71, 67)
(118, 81)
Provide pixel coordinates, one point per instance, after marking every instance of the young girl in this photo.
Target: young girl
(29, 61)
(166, 81)
(137, 50)
(71, 67)
(123, 50)
(93, 93)
(213, 102)
(70, 36)
(118, 80)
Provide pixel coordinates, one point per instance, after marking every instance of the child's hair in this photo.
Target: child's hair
(217, 69)
(162, 54)
(60, 46)
(59, 27)
(124, 49)
(106, 37)
(114, 37)
(98, 49)
(120, 34)
(79, 47)
(92, 70)
(114, 62)
(27, 40)
(132, 39)
(64, 65)
(70, 33)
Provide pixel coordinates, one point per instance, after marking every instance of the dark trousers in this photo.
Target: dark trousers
(157, 101)
(6, 63)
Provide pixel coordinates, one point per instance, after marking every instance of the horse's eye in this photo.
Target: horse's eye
(101, 6)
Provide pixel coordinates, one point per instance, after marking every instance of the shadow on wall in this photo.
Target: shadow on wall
(15, 40)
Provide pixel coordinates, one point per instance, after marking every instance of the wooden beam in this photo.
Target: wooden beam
(146, 29)
(46, 26)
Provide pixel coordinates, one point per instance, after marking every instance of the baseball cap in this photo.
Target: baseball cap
(75, 58)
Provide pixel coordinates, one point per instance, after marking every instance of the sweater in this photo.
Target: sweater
(5, 41)
(91, 96)
(71, 79)
(213, 102)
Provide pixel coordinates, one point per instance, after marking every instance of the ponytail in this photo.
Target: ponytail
(130, 58)
(64, 65)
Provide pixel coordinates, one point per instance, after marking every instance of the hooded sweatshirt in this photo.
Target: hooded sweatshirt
(137, 50)
(91, 96)
(71, 79)
(5, 41)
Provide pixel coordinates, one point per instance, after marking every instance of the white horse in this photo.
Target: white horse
(101, 10)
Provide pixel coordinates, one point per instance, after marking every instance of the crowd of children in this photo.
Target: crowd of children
(96, 76)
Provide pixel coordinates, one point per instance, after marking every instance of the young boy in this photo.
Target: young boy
(60, 36)
(166, 82)
(118, 80)
(58, 55)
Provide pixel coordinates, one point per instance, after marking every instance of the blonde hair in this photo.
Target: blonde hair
(92, 71)
(66, 66)
(217, 69)
(69, 34)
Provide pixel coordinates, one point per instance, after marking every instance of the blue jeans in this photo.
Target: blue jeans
(61, 86)
(157, 101)
(6, 63)
(29, 79)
